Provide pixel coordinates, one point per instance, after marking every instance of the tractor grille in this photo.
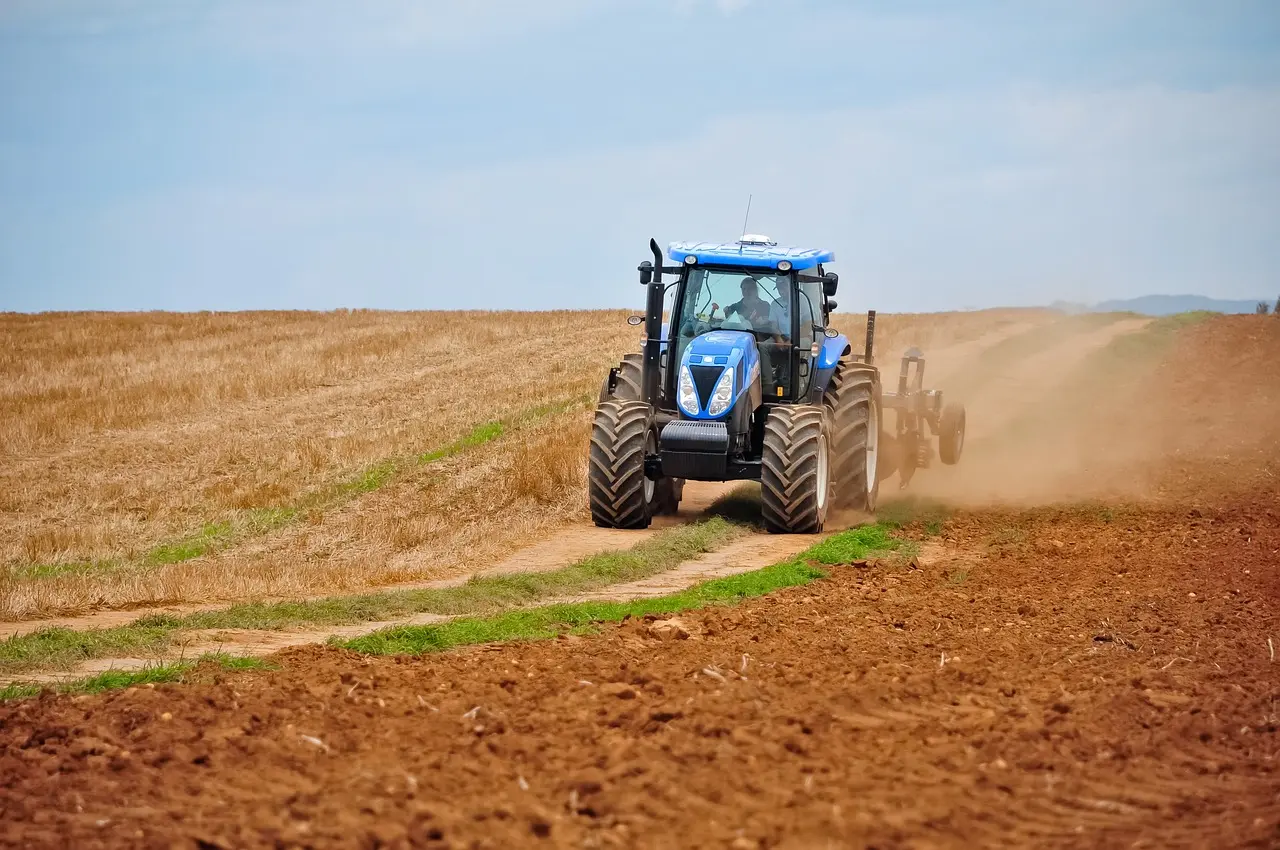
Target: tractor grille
(704, 378)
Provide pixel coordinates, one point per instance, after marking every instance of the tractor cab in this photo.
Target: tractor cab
(740, 296)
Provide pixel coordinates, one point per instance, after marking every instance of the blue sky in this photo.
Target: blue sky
(235, 154)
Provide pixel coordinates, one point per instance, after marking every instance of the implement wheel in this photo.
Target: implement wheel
(951, 433)
(795, 480)
(618, 491)
(852, 400)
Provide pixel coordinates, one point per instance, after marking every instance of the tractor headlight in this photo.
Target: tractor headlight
(688, 396)
(784, 266)
(723, 395)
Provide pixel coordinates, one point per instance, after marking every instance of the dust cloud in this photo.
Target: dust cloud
(1107, 407)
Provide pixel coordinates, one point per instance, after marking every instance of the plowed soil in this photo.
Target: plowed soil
(1085, 681)
(1096, 675)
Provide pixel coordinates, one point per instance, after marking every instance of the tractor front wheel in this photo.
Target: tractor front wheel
(629, 387)
(796, 473)
(619, 493)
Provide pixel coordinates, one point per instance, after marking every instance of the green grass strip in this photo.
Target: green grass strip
(61, 648)
(479, 435)
(255, 522)
(544, 622)
(117, 679)
(552, 620)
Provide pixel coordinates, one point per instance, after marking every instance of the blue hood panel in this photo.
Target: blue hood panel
(719, 350)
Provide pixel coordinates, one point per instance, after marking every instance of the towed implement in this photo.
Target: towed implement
(749, 382)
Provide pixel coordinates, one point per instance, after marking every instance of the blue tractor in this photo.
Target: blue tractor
(748, 381)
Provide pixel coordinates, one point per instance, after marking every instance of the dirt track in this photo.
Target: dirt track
(1098, 676)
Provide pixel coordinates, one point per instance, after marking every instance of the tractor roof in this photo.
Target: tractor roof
(752, 251)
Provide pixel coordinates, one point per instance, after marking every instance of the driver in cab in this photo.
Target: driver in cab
(764, 317)
(756, 310)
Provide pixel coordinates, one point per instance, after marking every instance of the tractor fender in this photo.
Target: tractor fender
(824, 367)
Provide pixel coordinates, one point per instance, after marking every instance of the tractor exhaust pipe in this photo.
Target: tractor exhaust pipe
(871, 335)
(651, 277)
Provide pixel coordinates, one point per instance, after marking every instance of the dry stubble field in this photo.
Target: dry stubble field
(1082, 654)
(165, 458)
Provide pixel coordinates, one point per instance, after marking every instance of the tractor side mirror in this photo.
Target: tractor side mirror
(635, 320)
(829, 283)
(646, 273)
(831, 306)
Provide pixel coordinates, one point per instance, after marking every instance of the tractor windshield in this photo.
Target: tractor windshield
(738, 300)
(751, 302)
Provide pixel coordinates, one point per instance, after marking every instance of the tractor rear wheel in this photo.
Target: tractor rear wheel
(951, 433)
(630, 386)
(619, 493)
(853, 402)
(796, 473)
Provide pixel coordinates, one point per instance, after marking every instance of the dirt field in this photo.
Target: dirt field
(879, 708)
(1083, 655)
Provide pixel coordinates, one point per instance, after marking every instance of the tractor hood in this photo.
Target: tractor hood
(703, 366)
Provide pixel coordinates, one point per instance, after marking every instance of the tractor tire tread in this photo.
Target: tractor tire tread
(630, 386)
(788, 480)
(616, 480)
(849, 399)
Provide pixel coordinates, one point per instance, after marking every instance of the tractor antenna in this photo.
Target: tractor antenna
(746, 218)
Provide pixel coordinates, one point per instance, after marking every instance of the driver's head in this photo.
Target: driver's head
(750, 289)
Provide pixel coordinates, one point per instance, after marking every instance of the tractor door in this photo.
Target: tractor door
(808, 314)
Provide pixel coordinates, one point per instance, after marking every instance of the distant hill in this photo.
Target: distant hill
(1162, 305)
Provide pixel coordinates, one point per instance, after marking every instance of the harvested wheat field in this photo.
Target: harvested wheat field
(171, 458)
(1067, 640)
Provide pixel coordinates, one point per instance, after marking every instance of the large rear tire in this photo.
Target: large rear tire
(951, 433)
(795, 480)
(630, 385)
(618, 491)
(853, 402)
